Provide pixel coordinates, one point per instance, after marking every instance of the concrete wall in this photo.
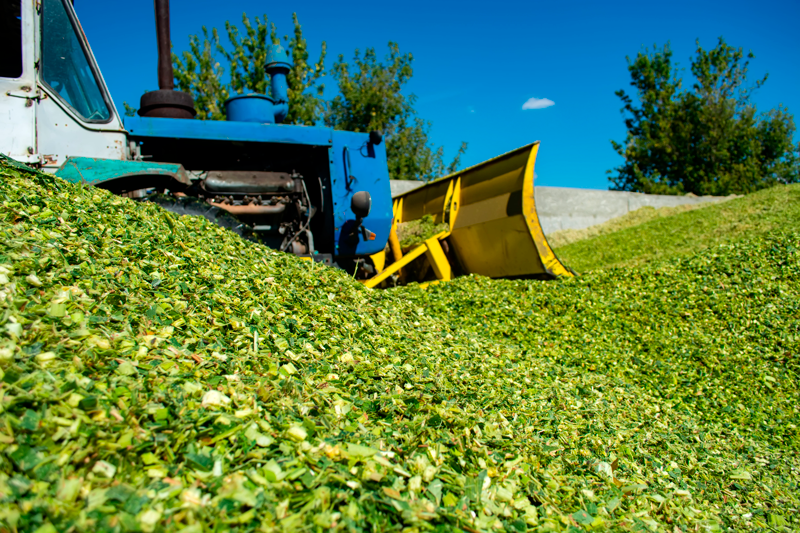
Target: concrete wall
(569, 208)
(401, 186)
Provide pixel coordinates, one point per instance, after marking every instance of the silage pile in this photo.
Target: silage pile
(161, 374)
(632, 241)
(415, 232)
(563, 237)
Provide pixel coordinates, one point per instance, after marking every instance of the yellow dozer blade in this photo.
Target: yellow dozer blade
(491, 212)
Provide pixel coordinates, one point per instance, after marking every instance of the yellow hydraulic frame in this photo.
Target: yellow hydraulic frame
(491, 212)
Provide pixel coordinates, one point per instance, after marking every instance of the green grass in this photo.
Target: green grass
(750, 216)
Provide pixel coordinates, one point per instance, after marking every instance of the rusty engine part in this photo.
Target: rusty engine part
(252, 182)
(272, 203)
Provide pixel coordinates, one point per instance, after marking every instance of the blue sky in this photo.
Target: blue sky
(476, 64)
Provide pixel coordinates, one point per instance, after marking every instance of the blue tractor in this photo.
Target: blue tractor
(309, 190)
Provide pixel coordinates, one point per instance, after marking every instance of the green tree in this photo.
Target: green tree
(371, 99)
(370, 92)
(199, 72)
(705, 140)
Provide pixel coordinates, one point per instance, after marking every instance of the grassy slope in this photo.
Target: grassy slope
(689, 232)
(136, 396)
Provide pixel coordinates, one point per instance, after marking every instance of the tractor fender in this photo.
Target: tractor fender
(119, 176)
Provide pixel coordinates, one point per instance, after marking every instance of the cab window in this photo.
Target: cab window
(66, 67)
(10, 39)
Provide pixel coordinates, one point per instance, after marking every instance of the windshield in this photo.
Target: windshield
(10, 39)
(66, 67)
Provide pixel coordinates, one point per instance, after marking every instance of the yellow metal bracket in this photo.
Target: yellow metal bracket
(432, 247)
(452, 200)
(438, 259)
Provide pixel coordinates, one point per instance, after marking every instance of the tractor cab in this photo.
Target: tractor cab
(54, 103)
(292, 188)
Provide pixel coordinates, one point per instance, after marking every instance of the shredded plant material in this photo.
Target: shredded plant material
(161, 374)
(415, 232)
(749, 217)
(564, 237)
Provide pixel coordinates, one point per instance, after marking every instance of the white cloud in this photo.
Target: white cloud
(537, 103)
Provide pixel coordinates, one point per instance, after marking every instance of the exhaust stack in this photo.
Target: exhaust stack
(166, 102)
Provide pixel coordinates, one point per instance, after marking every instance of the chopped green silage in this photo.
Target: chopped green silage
(161, 374)
(564, 237)
(748, 217)
(415, 232)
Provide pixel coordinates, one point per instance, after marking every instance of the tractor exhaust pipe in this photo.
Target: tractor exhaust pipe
(166, 102)
(165, 74)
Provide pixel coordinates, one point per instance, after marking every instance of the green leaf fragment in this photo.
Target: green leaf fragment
(149, 458)
(29, 421)
(582, 517)
(25, 457)
(68, 490)
(126, 369)
(360, 451)
(201, 462)
(741, 474)
(296, 433)
(104, 469)
(57, 310)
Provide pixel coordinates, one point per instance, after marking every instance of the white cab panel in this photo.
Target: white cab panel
(61, 135)
(18, 94)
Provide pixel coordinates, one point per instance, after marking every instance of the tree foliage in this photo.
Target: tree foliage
(371, 99)
(709, 139)
(370, 92)
(200, 73)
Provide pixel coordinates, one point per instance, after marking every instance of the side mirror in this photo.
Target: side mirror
(361, 204)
